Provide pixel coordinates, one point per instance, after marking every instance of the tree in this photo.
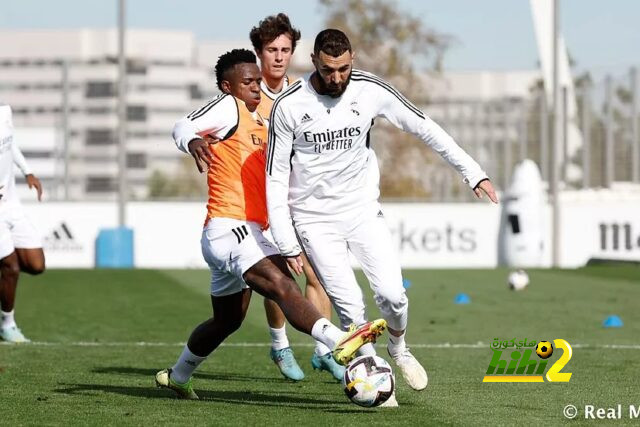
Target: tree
(394, 45)
(186, 182)
(388, 41)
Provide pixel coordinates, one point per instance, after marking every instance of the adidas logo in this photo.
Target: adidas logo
(61, 239)
(306, 118)
(60, 233)
(380, 214)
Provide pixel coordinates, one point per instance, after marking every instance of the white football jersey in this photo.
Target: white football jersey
(9, 154)
(319, 161)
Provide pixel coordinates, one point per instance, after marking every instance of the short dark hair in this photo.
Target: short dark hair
(332, 42)
(230, 59)
(272, 27)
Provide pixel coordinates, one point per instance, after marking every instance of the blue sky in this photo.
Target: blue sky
(602, 35)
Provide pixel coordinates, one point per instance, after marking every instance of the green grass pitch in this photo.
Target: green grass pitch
(101, 335)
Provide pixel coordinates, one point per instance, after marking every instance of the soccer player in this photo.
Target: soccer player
(20, 243)
(322, 174)
(240, 254)
(274, 41)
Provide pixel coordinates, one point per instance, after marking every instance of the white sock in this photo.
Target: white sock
(325, 332)
(7, 319)
(279, 338)
(396, 345)
(367, 350)
(186, 364)
(321, 349)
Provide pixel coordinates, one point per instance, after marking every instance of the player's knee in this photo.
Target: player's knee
(314, 283)
(394, 301)
(35, 268)
(283, 288)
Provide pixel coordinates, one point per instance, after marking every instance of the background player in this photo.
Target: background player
(274, 40)
(20, 243)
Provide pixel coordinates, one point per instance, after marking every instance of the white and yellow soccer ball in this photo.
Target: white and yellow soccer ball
(518, 280)
(368, 381)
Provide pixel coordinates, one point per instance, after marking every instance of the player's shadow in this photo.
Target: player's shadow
(251, 398)
(146, 372)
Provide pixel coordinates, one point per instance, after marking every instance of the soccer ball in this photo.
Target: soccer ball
(518, 280)
(368, 381)
(544, 349)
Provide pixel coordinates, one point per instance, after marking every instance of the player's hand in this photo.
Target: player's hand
(295, 264)
(32, 182)
(199, 149)
(487, 188)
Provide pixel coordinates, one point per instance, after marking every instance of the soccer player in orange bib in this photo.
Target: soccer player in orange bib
(240, 255)
(274, 40)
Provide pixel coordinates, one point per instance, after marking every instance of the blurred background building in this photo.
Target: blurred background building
(62, 86)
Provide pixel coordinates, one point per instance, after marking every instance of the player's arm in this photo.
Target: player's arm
(278, 170)
(203, 126)
(21, 162)
(406, 116)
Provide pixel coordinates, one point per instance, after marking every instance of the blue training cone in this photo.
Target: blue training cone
(406, 283)
(613, 321)
(462, 299)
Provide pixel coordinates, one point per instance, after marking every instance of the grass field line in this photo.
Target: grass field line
(477, 345)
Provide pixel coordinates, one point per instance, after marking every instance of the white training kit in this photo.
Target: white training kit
(16, 231)
(323, 177)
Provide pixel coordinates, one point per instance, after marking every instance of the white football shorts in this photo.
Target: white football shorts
(231, 247)
(16, 230)
(365, 234)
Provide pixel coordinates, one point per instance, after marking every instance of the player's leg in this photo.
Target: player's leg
(281, 352)
(244, 251)
(27, 242)
(9, 273)
(326, 250)
(31, 260)
(28, 257)
(372, 244)
(271, 278)
(314, 292)
(228, 313)
(229, 300)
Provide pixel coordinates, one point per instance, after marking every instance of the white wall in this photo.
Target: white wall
(445, 235)
(167, 235)
(608, 230)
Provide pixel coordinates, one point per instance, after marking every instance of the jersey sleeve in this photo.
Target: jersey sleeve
(16, 154)
(278, 166)
(404, 115)
(217, 118)
(19, 160)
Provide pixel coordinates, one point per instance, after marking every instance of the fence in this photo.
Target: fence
(500, 132)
